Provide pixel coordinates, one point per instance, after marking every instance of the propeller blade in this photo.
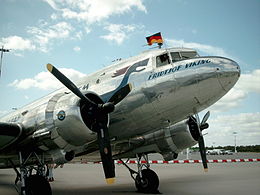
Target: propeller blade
(203, 153)
(201, 141)
(100, 125)
(205, 118)
(204, 126)
(105, 152)
(68, 83)
(120, 94)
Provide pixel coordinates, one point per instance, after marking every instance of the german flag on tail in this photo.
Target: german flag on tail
(156, 38)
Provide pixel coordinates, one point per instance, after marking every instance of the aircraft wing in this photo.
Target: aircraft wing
(9, 134)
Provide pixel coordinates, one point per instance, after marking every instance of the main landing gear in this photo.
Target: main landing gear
(31, 180)
(146, 180)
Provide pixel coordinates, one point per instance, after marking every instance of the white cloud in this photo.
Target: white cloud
(17, 43)
(54, 16)
(247, 83)
(247, 126)
(52, 3)
(94, 11)
(40, 37)
(76, 49)
(3, 112)
(79, 35)
(208, 49)
(87, 29)
(46, 81)
(231, 100)
(44, 35)
(26, 97)
(85, 12)
(119, 32)
(18, 54)
(250, 82)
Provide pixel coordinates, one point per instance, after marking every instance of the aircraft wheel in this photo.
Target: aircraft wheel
(149, 182)
(37, 185)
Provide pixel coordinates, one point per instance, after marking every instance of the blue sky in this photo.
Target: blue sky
(82, 36)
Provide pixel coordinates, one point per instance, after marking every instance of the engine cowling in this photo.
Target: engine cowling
(168, 141)
(61, 157)
(71, 121)
(172, 140)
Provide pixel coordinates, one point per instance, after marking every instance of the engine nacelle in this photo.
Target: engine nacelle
(69, 120)
(168, 141)
(61, 157)
(184, 134)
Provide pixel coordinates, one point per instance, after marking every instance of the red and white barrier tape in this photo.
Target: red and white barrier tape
(176, 161)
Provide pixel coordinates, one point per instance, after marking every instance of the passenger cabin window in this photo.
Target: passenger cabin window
(162, 60)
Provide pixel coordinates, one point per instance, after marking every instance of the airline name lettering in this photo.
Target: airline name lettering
(177, 68)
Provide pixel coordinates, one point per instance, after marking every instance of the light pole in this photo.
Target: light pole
(1, 60)
(187, 153)
(235, 137)
(213, 145)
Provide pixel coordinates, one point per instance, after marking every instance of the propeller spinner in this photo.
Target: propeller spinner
(99, 125)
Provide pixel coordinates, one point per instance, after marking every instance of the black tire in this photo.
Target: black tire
(37, 185)
(149, 182)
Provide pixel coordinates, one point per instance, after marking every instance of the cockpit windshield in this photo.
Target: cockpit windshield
(189, 54)
(183, 55)
(175, 56)
(164, 59)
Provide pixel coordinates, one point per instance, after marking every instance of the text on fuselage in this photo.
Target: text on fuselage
(177, 68)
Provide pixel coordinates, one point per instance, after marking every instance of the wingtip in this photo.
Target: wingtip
(110, 180)
(49, 67)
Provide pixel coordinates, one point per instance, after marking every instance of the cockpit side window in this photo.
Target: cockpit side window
(175, 56)
(188, 54)
(162, 60)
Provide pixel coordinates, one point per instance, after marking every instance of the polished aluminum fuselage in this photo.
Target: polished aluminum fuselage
(160, 96)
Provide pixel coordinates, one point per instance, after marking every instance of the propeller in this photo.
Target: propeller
(99, 125)
(120, 94)
(201, 126)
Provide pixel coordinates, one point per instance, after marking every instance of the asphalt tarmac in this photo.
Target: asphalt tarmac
(175, 179)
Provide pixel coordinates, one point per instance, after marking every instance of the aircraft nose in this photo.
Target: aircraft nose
(228, 73)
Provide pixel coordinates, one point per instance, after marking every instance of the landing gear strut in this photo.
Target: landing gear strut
(146, 180)
(32, 179)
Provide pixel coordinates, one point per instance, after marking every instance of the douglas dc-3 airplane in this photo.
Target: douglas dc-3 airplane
(146, 104)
